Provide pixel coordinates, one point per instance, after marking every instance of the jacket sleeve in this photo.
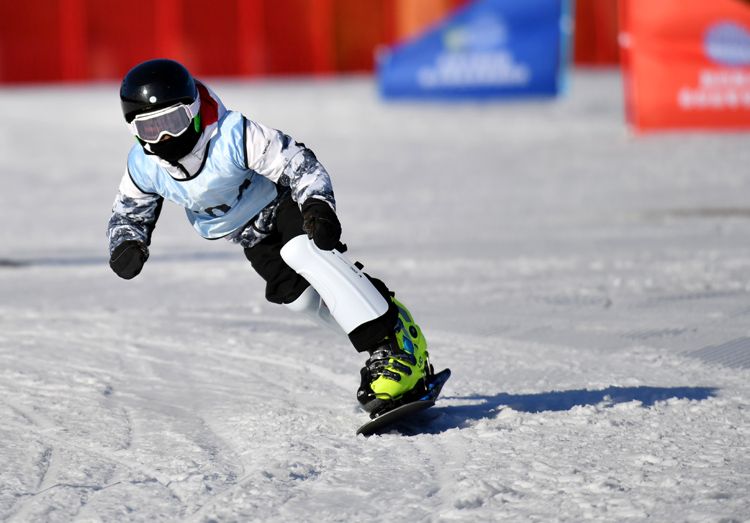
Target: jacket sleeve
(286, 162)
(134, 214)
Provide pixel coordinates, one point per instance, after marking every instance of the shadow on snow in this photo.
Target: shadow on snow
(439, 419)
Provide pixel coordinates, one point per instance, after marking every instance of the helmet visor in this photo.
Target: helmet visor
(173, 121)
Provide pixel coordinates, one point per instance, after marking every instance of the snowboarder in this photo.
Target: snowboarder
(257, 187)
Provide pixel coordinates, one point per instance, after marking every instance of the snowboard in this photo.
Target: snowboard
(385, 420)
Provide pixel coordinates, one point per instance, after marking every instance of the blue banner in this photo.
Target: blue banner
(490, 48)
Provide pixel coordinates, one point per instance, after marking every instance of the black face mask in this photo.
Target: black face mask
(176, 147)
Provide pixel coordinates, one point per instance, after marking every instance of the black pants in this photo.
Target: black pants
(283, 285)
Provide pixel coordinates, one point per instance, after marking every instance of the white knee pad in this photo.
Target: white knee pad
(350, 296)
(312, 305)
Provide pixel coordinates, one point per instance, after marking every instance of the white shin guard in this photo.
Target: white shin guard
(348, 294)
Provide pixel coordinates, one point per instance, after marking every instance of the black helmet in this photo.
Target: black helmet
(155, 84)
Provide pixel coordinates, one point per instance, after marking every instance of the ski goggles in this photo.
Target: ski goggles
(173, 121)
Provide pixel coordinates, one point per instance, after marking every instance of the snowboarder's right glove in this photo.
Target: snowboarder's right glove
(128, 258)
(321, 224)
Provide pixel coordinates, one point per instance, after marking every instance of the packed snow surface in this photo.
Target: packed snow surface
(588, 288)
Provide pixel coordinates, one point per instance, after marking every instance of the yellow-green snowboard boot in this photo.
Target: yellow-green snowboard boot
(397, 369)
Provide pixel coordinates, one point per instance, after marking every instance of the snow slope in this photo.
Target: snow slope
(588, 288)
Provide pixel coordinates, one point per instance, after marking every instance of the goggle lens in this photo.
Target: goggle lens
(174, 120)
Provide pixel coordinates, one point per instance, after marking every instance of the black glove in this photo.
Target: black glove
(128, 258)
(321, 224)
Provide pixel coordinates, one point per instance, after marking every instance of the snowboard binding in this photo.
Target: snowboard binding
(376, 406)
(386, 414)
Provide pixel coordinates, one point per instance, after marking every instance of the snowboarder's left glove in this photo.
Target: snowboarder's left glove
(128, 258)
(321, 224)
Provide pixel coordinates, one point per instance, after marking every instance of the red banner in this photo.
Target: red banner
(78, 40)
(595, 35)
(686, 63)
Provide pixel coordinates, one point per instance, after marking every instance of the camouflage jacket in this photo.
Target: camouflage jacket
(230, 184)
